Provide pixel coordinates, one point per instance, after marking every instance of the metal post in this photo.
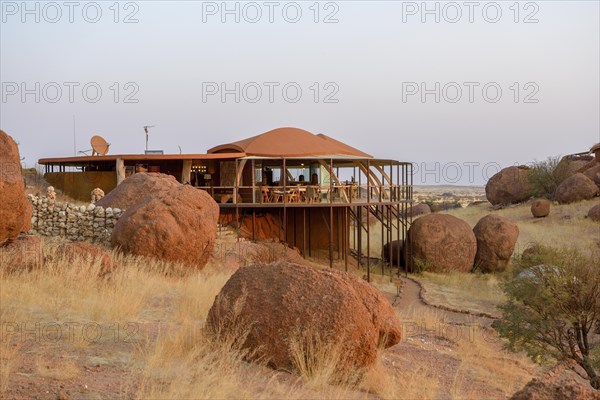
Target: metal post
(235, 189)
(346, 238)
(284, 177)
(382, 239)
(253, 223)
(368, 182)
(254, 182)
(304, 231)
(309, 233)
(368, 248)
(359, 234)
(330, 235)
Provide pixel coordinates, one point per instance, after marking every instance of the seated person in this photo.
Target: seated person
(314, 179)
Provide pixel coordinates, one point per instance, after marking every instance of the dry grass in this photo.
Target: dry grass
(474, 292)
(174, 355)
(565, 226)
(10, 355)
(317, 358)
(482, 369)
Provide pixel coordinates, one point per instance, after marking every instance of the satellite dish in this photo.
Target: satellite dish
(99, 146)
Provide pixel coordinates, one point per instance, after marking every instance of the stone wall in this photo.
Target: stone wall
(76, 223)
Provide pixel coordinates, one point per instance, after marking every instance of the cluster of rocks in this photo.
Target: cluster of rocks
(17, 216)
(578, 178)
(443, 242)
(76, 223)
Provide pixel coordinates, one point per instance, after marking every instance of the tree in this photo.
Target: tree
(552, 310)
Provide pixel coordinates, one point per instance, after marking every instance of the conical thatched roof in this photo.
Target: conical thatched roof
(290, 142)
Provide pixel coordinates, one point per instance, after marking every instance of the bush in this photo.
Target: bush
(553, 308)
(545, 176)
(535, 254)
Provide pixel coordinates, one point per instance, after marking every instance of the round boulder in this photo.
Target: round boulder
(25, 253)
(135, 188)
(88, 253)
(420, 209)
(496, 240)
(576, 188)
(15, 210)
(282, 304)
(179, 226)
(540, 208)
(594, 213)
(510, 185)
(441, 242)
(396, 248)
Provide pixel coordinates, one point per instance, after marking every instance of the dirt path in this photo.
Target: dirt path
(433, 349)
(411, 300)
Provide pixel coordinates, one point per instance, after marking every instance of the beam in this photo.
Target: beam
(186, 172)
(120, 168)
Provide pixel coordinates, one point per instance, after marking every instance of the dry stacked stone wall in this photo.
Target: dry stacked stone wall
(76, 223)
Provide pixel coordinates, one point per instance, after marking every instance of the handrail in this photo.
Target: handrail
(326, 194)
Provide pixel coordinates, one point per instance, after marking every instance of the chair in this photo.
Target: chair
(354, 192)
(267, 197)
(277, 196)
(293, 196)
(325, 194)
(312, 194)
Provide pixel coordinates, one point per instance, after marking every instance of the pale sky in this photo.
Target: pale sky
(373, 59)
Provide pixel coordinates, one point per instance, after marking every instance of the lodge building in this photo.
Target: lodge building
(324, 193)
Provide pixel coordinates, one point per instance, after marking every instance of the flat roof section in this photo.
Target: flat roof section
(139, 157)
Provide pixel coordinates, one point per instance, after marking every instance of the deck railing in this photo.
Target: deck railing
(309, 194)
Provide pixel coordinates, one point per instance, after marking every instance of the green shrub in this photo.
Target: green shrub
(553, 308)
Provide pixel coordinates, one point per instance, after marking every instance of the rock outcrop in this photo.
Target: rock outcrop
(441, 242)
(136, 187)
(266, 227)
(510, 185)
(15, 212)
(496, 240)
(281, 303)
(591, 170)
(396, 247)
(178, 225)
(576, 188)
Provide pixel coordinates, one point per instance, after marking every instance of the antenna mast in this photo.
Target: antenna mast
(74, 138)
(146, 130)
